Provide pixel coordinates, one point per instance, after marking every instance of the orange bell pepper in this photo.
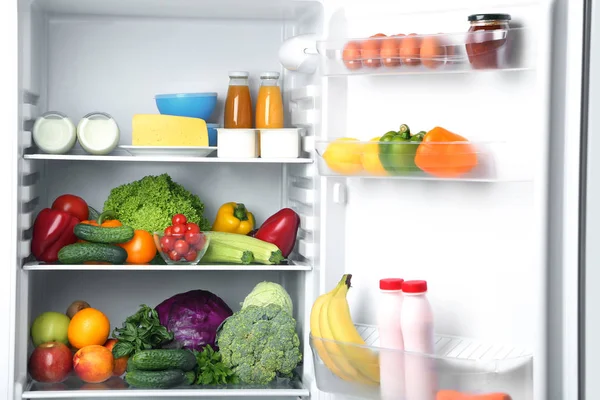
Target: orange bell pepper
(445, 154)
(107, 219)
(454, 395)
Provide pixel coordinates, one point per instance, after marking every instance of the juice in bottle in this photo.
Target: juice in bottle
(238, 106)
(269, 105)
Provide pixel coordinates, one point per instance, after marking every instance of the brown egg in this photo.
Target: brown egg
(371, 51)
(390, 52)
(433, 52)
(410, 49)
(351, 56)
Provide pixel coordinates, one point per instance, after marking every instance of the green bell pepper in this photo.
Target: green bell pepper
(397, 151)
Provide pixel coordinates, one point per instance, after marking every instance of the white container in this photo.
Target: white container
(279, 143)
(416, 321)
(237, 143)
(98, 133)
(54, 133)
(390, 337)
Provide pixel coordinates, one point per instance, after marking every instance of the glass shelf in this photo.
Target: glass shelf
(461, 52)
(459, 364)
(118, 388)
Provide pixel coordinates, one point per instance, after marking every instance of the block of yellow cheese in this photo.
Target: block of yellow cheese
(167, 130)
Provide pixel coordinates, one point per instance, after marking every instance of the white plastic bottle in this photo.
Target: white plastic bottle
(417, 329)
(391, 357)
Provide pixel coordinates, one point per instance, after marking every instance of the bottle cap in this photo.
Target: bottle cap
(269, 75)
(238, 74)
(414, 286)
(391, 284)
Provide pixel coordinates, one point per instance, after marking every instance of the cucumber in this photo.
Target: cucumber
(100, 234)
(93, 214)
(163, 359)
(78, 253)
(264, 253)
(156, 379)
(218, 252)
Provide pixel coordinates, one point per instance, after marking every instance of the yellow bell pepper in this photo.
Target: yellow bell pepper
(234, 218)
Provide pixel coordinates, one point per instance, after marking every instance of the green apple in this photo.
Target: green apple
(50, 327)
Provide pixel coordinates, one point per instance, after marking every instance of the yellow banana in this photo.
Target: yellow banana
(343, 330)
(334, 349)
(315, 330)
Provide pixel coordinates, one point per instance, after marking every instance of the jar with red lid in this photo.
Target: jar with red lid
(486, 42)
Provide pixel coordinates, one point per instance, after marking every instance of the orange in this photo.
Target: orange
(88, 327)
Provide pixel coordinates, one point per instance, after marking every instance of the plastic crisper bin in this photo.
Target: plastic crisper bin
(470, 161)
(459, 364)
(504, 49)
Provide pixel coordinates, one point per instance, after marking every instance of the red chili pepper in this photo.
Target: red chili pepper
(281, 230)
(52, 231)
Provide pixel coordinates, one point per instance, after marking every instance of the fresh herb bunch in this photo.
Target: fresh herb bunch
(141, 331)
(211, 370)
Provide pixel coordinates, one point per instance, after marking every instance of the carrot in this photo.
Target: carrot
(454, 395)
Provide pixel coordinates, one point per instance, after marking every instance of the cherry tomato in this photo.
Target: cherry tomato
(179, 230)
(174, 255)
(73, 205)
(192, 238)
(169, 231)
(192, 227)
(167, 242)
(179, 219)
(181, 247)
(191, 256)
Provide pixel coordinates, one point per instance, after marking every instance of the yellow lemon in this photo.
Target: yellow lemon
(343, 156)
(370, 158)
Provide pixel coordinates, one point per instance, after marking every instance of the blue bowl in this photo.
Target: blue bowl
(193, 105)
(212, 134)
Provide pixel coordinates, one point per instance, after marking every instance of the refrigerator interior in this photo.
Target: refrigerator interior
(115, 56)
(474, 242)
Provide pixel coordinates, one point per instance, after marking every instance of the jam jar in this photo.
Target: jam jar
(486, 42)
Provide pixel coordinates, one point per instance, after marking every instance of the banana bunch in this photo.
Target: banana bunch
(340, 348)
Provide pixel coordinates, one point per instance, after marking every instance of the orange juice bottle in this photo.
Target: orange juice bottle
(269, 105)
(238, 106)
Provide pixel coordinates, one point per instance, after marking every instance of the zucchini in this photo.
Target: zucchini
(163, 359)
(79, 253)
(264, 252)
(101, 234)
(156, 379)
(218, 252)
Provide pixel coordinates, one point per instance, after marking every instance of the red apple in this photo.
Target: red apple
(50, 362)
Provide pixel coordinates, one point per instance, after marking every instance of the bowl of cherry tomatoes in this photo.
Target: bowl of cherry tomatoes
(181, 243)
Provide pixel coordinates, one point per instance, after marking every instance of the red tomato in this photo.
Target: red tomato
(181, 247)
(73, 205)
(173, 255)
(179, 219)
(192, 238)
(179, 230)
(169, 231)
(192, 227)
(191, 256)
(167, 242)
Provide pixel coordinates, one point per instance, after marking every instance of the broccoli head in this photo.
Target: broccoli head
(260, 343)
(150, 202)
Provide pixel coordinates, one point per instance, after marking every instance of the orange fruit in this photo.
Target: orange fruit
(88, 327)
(93, 364)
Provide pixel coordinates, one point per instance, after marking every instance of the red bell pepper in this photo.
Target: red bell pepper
(52, 230)
(281, 230)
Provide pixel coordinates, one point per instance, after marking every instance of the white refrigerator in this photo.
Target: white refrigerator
(500, 245)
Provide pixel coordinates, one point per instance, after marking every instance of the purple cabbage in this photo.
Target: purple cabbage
(193, 317)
